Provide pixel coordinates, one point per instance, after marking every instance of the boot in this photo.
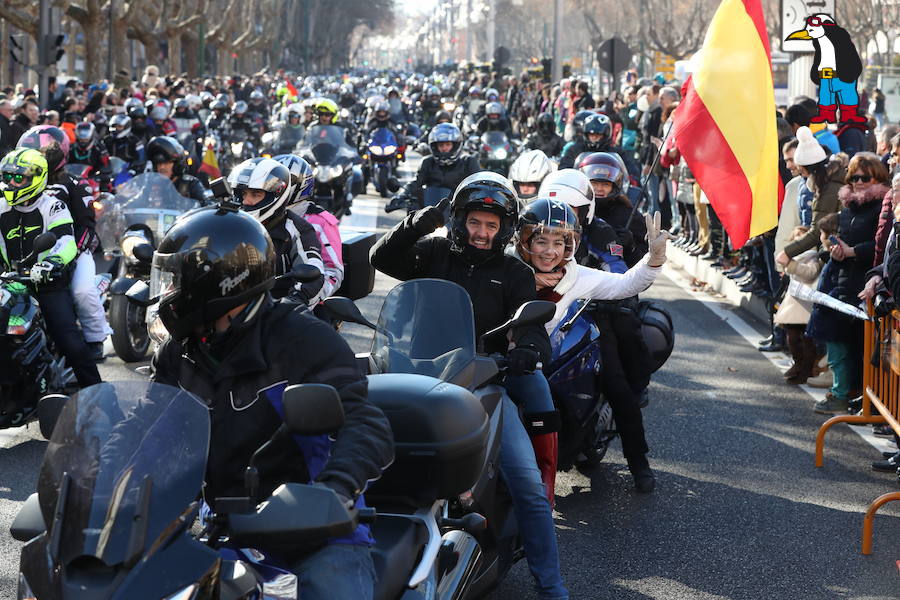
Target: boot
(546, 451)
(850, 114)
(827, 114)
(806, 363)
(644, 479)
(795, 347)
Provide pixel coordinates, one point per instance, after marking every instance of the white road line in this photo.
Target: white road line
(753, 338)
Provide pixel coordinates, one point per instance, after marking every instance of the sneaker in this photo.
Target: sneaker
(96, 351)
(823, 380)
(889, 464)
(831, 405)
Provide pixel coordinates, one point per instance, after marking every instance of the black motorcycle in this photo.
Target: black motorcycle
(336, 166)
(130, 225)
(29, 365)
(444, 514)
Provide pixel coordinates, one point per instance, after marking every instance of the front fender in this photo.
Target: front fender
(122, 285)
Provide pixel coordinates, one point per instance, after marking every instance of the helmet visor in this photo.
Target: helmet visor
(602, 173)
(165, 275)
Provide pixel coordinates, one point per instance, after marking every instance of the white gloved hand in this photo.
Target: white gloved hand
(42, 272)
(657, 239)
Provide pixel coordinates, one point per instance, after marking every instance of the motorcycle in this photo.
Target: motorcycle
(281, 141)
(130, 226)
(335, 164)
(497, 153)
(444, 514)
(240, 147)
(382, 156)
(116, 513)
(29, 364)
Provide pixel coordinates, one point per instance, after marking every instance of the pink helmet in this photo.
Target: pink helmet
(41, 135)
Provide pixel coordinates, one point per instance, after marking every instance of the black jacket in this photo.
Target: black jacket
(19, 125)
(551, 145)
(190, 187)
(284, 345)
(497, 287)
(578, 146)
(431, 174)
(856, 227)
(502, 124)
(893, 273)
(631, 234)
(296, 243)
(7, 143)
(129, 148)
(78, 199)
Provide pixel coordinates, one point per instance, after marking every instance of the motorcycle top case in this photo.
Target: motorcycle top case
(440, 438)
(359, 274)
(658, 332)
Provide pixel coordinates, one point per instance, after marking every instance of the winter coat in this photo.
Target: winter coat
(803, 269)
(825, 202)
(858, 221)
(789, 218)
(631, 233)
(885, 223)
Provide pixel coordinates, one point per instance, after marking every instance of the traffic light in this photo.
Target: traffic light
(567, 70)
(16, 44)
(547, 64)
(51, 48)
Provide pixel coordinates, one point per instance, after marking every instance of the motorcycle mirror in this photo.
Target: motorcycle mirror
(43, 242)
(535, 312)
(303, 274)
(344, 309)
(144, 253)
(312, 409)
(48, 411)
(139, 293)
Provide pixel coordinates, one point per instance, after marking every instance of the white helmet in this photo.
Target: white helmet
(531, 167)
(572, 187)
(264, 174)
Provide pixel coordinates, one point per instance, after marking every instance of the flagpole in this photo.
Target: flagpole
(659, 150)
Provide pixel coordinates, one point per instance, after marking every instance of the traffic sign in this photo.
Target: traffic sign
(614, 55)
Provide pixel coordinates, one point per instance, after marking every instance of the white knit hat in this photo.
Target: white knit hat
(809, 150)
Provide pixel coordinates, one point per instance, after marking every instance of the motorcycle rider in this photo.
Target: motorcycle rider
(446, 167)
(86, 151)
(483, 215)
(494, 119)
(159, 121)
(123, 144)
(430, 105)
(186, 120)
(241, 120)
(545, 137)
(54, 145)
(323, 222)
(258, 106)
(27, 212)
(167, 157)
(263, 187)
(138, 115)
(235, 348)
(326, 112)
(527, 173)
(218, 116)
(597, 137)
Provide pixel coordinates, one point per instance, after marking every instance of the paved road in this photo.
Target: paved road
(739, 511)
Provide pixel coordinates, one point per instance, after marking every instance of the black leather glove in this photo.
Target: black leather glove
(429, 218)
(522, 360)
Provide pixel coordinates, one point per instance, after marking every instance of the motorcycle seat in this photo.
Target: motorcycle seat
(398, 542)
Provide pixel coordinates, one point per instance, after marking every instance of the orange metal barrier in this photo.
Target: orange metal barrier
(880, 401)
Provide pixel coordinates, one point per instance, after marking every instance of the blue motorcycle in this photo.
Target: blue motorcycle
(574, 377)
(383, 156)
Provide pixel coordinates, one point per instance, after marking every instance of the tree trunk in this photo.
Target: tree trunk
(94, 50)
(174, 62)
(191, 46)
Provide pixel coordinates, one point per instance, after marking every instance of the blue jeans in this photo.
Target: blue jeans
(519, 470)
(834, 91)
(337, 572)
(652, 184)
(531, 391)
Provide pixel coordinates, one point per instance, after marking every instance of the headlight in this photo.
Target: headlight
(25, 592)
(376, 150)
(131, 240)
(187, 593)
(390, 149)
(500, 154)
(268, 137)
(449, 106)
(237, 148)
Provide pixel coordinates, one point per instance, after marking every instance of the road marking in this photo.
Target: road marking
(753, 338)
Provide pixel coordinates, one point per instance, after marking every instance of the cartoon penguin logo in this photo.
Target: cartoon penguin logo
(836, 69)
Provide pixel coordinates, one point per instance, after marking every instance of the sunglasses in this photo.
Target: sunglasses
(816, 22)
(13, 177)
(858, 178)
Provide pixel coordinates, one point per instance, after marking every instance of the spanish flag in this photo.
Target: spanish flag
(725, 124)
(210, 164)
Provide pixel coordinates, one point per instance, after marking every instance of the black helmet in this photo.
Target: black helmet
(442, 116)
(548, 215)
(211, 261)
(605, 166)
(164, 148)
(445, 132)
(597, 123)
(578, 120)
(182, 105)
(240, 108)
(218, 105)
(545, 124)
(489, 192)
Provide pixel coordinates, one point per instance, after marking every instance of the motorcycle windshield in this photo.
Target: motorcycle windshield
(289, 136)
(125, 460)
(327, 144)
(383, 137)
(150, 199)
(77, 170)
(238, 135)
(426, 326)
(494, 139)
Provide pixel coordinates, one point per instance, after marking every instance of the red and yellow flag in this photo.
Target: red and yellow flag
(210, 164)
(725, 124)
